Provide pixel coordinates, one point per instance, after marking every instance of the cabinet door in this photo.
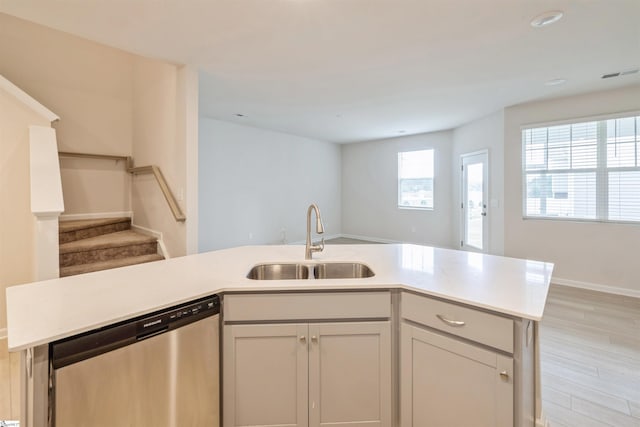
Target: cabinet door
(350, 374)
(446, 382)
(265, 375)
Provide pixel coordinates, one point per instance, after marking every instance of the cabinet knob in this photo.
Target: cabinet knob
(314, 338)
(504, 375)
(303, 338)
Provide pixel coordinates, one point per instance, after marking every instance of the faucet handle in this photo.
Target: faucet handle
(318, 247)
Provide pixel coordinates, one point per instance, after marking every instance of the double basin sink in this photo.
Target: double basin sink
(292, 271)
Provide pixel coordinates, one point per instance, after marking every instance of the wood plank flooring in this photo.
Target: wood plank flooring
(9, 383)
(590, 359)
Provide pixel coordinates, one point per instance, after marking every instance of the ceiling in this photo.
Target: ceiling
(354, 70)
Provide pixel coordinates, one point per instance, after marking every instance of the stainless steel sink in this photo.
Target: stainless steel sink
(278, 272)
(342, 270)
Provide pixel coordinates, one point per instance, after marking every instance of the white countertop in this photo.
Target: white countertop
(42, 312)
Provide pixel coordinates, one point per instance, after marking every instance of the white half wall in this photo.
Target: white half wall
(17, 224)
(485, 133)
(370, 191)
(255, 185)
(159, 120)
(600, 255)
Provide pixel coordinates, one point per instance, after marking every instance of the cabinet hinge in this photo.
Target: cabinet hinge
(462, 168)
(461, 243)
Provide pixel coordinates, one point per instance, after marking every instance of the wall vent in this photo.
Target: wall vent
(620, 73)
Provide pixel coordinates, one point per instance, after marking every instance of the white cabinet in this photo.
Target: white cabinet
(461, 366)
(319, 374)
(280, 369)
(265, 380)
(350, 374)
(450, 383)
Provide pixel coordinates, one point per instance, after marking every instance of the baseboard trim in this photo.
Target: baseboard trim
(97, 215)
(3, 333)
(315, 239)
(596, 287)
(162, 249)
(369, 238)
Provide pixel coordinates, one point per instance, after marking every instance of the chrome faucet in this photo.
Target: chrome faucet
(310, 248)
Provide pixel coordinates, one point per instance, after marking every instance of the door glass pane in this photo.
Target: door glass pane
(475, 196)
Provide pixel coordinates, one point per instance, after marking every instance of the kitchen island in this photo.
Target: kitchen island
(503, 297)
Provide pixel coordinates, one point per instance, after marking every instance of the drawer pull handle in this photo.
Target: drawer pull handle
(454, 323)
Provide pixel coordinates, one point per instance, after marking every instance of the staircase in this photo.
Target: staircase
(101, 244)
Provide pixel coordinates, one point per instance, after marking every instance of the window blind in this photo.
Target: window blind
(588, 170)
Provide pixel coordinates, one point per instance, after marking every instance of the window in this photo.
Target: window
(588, 170)
(415, 179)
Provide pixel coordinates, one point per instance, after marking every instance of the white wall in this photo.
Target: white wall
(253, 183)
(158, 135)
(89, 86)
(587, 254)
(17, 223)
(485, 133)
(370, 191)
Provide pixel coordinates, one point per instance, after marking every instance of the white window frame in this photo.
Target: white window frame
(601, 170)
(433, 179)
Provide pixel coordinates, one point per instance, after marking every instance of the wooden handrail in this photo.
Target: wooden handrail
(138, 170)
(164, 187)
(92, 156)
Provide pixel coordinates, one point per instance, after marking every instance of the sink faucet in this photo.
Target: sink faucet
(310, 248)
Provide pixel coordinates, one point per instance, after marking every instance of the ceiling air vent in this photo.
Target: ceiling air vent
(620, 73)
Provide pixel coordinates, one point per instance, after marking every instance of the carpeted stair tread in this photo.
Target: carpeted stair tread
(66, 226)
(70, 231)
(111, 240)
(105, 265)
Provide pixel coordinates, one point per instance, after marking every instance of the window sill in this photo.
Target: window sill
(414, 208)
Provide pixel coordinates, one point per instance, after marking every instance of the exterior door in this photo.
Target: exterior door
(474, 192)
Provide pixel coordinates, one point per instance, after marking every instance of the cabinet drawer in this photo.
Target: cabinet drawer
(489, 329)
(307, 306)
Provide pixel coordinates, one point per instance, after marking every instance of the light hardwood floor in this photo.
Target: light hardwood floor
(9, 383)
(590, 359)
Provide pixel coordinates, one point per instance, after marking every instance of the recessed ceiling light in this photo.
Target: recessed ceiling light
(555, 82)
(546, 18)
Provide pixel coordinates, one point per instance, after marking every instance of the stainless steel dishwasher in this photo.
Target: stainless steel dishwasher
(157, 370)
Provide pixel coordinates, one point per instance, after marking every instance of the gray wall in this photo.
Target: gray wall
(586, 254)
(255, 185)
(485, 133)
(370, 193)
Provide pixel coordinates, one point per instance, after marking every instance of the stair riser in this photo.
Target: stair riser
(105, 254)
(88, 268)
(72, 236)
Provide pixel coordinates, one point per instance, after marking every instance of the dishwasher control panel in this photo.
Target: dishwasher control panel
(177, 317)
(89, 344)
